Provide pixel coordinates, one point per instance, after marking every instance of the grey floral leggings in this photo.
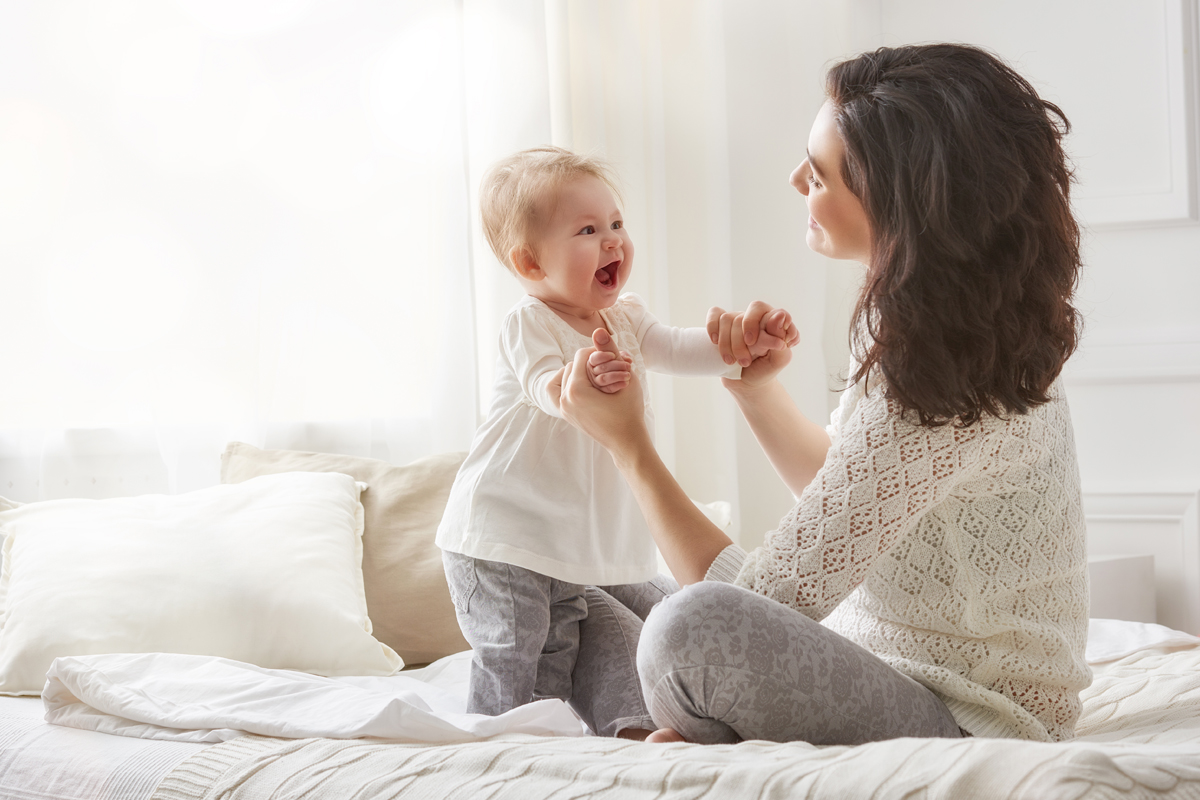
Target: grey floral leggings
(720, 664)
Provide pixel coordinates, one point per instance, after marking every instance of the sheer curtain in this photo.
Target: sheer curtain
(256, 221)
(704, 107)
(247, 221)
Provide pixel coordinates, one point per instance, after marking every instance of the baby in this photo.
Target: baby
(538, 510)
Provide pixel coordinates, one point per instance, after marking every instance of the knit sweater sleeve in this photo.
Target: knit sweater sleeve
(882, 473)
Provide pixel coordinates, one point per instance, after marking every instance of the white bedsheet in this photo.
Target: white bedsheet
(205, 699)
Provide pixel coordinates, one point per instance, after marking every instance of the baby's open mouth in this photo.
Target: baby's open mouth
(607, 275)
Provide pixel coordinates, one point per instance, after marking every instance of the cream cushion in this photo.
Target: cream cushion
(266, 572)
(407, 597)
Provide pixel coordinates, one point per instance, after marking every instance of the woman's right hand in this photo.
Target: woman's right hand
(735, 333)
(616, 421)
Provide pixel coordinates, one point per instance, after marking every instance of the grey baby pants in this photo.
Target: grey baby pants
(537, 637)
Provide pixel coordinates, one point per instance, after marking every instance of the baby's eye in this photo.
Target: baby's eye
(588, 229)
(618, 225)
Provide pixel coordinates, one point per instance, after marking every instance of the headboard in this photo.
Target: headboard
(1163, 524)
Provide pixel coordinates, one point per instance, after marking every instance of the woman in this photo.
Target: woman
(938, 532)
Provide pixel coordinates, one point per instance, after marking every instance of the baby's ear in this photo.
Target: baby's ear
(525, 263)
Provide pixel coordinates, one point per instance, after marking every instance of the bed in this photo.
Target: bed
(1139, 735)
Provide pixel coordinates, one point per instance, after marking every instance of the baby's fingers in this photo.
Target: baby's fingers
(612, 381)
(617, 365)
(779, 324)
(601, 357)
(767, 342)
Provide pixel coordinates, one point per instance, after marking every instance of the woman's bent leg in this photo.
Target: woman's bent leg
(721, 664)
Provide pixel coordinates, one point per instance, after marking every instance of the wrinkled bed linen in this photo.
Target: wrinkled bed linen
(205, 699)
(1139, 737)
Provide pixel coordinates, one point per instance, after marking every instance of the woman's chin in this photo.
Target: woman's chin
(816, 241)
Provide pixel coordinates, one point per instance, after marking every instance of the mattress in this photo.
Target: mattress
(1139, 736)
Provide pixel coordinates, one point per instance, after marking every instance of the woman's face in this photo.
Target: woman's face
(837, 222)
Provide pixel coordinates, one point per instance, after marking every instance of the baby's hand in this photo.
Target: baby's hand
(609, 369)
(776, 332)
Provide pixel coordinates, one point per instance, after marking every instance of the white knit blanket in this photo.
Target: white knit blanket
(1139, 736)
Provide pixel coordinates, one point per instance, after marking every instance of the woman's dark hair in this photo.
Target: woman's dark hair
(966, 309)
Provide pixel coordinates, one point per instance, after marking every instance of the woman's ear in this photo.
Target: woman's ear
(525, 263)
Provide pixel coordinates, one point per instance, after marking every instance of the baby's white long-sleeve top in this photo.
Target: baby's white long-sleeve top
(537, 492)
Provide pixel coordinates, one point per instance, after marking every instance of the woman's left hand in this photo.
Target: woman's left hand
(745, 336)
(740, 337)
(616, 421)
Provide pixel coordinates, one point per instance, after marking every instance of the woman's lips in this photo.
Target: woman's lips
(812, 223)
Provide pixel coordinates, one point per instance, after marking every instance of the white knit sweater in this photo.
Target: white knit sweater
(956, 555)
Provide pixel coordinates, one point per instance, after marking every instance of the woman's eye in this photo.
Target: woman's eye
(588, 229)
(814, 181)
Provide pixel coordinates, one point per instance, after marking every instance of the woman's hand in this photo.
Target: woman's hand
(687, 540)
(608, 370)
(617, 421)
(760, 339)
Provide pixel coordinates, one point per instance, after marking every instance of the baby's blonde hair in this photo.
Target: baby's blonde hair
(511, 197)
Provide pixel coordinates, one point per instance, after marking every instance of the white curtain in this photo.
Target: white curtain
(224, 220)
(256, 220)
(704, 107)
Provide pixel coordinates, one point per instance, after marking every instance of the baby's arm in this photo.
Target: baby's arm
(531, 350)
(608, 368)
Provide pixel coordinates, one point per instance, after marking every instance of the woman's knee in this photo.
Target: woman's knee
(674, 635)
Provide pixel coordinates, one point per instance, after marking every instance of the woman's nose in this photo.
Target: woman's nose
(799, 176)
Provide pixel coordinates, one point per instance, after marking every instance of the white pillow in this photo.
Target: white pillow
(1111, 639)
(268, 572)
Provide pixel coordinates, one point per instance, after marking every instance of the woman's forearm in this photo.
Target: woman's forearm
(688, 541)
(794, 444)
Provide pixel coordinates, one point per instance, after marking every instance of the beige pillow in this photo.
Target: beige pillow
(407, 598)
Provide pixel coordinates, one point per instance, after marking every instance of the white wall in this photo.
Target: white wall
(1126, 76)
(1134, 386)
(704, 107)
(740, 83)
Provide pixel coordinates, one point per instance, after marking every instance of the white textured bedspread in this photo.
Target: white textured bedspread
(1139, 737)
